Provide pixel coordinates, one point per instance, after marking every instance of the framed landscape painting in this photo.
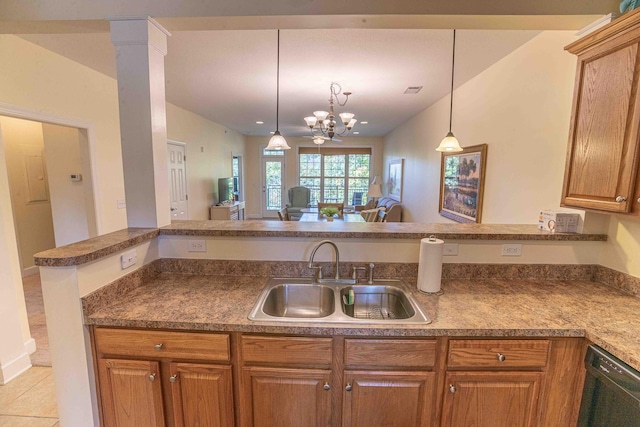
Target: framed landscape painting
(462, 184)
(395, 179)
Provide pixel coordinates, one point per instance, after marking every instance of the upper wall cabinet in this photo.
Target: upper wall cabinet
(604, 145)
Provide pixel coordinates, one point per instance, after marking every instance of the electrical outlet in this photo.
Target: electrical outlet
(122, 204)
(450, 249)
(514, 249)
(128, 259)
(197, 246)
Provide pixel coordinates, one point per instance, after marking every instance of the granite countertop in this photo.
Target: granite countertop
(468, 307)
(101, 246)
(370, 230)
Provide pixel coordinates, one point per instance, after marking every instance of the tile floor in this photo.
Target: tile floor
(29, 400)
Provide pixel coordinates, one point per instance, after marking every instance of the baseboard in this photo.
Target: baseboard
(30, 346)
(14, 368)
(254, 216)
(30, 271)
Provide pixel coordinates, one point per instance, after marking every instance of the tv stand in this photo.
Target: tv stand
(231, 211)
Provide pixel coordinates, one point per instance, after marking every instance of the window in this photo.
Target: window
(335, 175)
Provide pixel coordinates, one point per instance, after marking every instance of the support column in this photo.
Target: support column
(141, 44)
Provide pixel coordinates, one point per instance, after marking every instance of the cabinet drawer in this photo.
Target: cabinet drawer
(390, 353)
(287, 350)
(158, 344)
(487, 353)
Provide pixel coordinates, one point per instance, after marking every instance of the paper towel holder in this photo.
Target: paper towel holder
(432, 238)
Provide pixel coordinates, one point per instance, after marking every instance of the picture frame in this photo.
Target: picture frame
(462, 184)
(394, 183)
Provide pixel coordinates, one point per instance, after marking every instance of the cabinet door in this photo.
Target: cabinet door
(131, 393)
(202, 395)
(603, 143)
(401, 399)
(278, 397)
(491, 399)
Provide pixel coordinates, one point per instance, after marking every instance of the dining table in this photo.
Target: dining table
(347, 217)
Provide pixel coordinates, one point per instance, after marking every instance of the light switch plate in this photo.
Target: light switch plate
(122, 204)
(512, 249)
(128, 258)
(197, 246)
(450, 249)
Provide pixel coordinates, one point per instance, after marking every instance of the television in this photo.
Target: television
(225, 190)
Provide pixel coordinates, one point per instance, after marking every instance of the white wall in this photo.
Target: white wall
(14, 327)
(31, 212)
(39, 80)
(621, 250)
(521, 108)
(71, 202)
(209, 148)
(253, 166)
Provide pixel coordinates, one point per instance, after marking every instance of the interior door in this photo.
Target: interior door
(273, 197)
(178, 181)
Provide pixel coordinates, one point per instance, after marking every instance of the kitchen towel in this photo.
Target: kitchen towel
(430, 265)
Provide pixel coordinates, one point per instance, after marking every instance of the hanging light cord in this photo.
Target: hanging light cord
(453, 67)
(278, 87)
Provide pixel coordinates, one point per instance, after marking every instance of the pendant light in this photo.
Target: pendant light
(277, 141)
(450, 143)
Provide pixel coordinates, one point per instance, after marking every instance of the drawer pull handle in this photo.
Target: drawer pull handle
(452, 388)
(621, 199)
(348, 387)
(501, 357)
(152, 377)
(173, 378)
(327, 386)
(158, 347)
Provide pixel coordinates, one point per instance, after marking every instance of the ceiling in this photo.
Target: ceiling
(229, 76)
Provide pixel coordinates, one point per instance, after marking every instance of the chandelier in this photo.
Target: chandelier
(323, 125)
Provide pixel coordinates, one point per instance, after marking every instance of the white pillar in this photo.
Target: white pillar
(14, 358)
(141, 44)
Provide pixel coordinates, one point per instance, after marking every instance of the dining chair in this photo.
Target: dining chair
(370, 215)
(283, 214)
(382, 216)
(340, 207)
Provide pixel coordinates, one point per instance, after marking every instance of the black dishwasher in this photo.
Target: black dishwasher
(611, 396)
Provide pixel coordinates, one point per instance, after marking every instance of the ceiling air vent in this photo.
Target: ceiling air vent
(412, 90)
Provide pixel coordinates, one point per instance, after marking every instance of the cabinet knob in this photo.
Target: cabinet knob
(173, 378)
(158, 347)
(621, 199)
(452, 388)
(327, 386)
(348, 387)
(638, 200)
(152, 377)
(501, 357)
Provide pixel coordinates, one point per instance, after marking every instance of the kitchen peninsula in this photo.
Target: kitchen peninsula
(553, 292)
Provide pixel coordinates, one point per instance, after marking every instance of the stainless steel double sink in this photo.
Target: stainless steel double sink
(301, 300)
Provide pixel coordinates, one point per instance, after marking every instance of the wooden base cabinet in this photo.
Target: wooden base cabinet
(378, 398)
(286, 397)
(131, 393)
(494, 399)
(202, 395)
(166, 390)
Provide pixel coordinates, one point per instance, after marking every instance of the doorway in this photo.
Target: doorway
(179, 197)
(50, 193)
(273, 173)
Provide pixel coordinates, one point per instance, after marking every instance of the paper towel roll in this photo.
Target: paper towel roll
(430, 265)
